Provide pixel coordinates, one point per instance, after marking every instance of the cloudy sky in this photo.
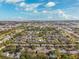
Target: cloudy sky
(39, 10)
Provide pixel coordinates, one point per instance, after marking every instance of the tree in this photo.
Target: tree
(41, 56)
(27, 55)
(64, 56)
(73, 56)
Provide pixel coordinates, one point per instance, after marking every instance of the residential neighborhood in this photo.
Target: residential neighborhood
(39, 40)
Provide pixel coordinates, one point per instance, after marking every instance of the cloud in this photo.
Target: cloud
(12, 1)
(57, 15)
(28, 7)
(62, 13)
(31, 6)
(35, 11)
(50, 4)
(22, 4)
(67, 16)
(45, 11)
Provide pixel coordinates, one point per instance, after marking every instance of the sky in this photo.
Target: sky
(24, 10)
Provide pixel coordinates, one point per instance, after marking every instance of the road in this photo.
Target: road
(71, 32)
